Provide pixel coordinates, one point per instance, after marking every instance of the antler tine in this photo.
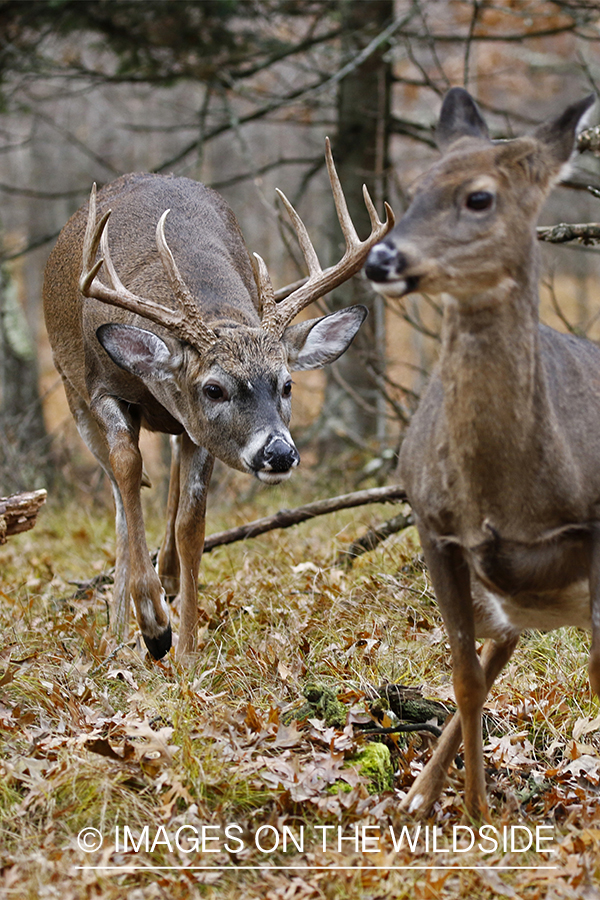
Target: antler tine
(189, 307)
(113, 279)
(266, 294)
(321, 282)
(166, 257)
(306, 245)
(341, 207)
(378, 228)
(116, 294)
(91, 240)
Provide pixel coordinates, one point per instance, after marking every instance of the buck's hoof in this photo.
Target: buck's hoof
(159, 646)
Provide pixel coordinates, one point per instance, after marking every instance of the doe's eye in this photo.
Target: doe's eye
(479, 200)
(214, 391)
(287, 388)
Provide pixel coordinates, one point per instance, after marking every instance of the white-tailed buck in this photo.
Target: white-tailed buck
(171, 331)
(502, 459)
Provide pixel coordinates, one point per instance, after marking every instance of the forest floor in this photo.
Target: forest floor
(121, 777)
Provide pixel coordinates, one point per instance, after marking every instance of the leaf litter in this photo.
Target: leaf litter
(206, 771)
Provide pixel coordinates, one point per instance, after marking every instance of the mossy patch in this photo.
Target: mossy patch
(373, 762)
(322, 703)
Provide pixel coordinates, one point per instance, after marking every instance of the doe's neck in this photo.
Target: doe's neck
(494, 388)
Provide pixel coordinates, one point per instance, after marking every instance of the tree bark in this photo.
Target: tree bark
(23, 448)
(19, 512)
(353, 406)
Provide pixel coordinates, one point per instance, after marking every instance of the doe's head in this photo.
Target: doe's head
(470, 225)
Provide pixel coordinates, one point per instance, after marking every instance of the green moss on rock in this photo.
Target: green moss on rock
(322, 703)
(375, 762)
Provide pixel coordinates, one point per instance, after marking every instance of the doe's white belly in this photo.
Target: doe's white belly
(501, 617)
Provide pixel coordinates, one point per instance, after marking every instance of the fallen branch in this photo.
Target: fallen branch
(405, 728)
(373, 537)
(287, 517)
(18, 513)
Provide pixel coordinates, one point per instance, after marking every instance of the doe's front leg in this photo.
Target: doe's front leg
(430, 783)
(452, 585)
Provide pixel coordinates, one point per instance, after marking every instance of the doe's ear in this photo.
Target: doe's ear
(136, 350)
(546, 155)
(558, 135)
(459, 117)
(316, 342)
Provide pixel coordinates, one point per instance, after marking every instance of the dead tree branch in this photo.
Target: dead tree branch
(374, 537)
(283, 519)
(18, 513)
(287, 517)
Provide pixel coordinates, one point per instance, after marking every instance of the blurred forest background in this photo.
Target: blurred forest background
(240, 95)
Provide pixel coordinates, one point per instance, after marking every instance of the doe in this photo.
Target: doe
(501, 462)
(187, 341)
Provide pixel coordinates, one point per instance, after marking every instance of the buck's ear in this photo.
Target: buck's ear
(558, 135)
(316, 342)
(459, 117)
(137, 351)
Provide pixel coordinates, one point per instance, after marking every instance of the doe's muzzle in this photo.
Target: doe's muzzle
(385, 262)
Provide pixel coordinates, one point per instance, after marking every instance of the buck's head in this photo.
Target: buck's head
(470, 225)
(229, 384)
(233, 393)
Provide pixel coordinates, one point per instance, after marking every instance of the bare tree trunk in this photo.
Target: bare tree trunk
(24, 443)
(353, 406)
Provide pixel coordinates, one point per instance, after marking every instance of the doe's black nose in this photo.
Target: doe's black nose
(384, 262)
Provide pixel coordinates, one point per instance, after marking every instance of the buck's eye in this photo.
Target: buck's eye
(214, 391)
(287, 388)
(479, 200)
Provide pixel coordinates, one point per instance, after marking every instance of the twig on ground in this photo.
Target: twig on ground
(373, 537)
(287, 517)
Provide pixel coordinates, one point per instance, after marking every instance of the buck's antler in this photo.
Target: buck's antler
(185, 321)
(276, 316)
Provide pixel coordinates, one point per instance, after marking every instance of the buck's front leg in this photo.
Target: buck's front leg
(195, 471)
(168, 558)
(122, 431)
(451, 582)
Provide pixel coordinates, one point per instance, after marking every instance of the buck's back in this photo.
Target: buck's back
(204, 238)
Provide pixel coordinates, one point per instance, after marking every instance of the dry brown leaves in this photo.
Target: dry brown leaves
(196, 784)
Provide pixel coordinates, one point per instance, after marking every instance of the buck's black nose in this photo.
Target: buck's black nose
(279, 456)
(384, 262)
